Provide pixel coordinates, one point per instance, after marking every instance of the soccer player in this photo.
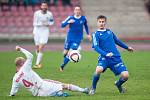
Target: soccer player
(42, 19)
(75, 33)
(104, 43)
(26, 77)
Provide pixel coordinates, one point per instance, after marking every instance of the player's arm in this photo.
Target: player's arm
(14, 88)
(66, 22)
(121, 44)
(95, 45)
(28, 55)
(87, 30)
(51, 20)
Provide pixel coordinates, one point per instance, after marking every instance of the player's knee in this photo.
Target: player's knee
(99, 70)
(66, 86)
(65, 52)
(125, 75)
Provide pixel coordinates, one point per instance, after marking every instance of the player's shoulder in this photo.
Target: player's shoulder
(109, 31)
(70, 17)
(49, 12)
(83, 16)
(94, 33)
(37, 12)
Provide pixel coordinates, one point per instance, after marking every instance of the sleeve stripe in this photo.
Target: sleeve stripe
(94, 39)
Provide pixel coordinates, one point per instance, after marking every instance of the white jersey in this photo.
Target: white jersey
(27, 78)
(41, 24)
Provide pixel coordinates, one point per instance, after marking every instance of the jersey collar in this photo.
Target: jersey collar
(77, 17)
(101, 30)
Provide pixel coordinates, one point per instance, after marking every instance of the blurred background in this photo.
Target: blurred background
(129, 19)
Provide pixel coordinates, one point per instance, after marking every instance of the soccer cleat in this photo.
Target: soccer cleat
(86, 91)
(37, 66)
(61, 94)
(61, 69)
(92, 92)
(65, 94)
(120, 88)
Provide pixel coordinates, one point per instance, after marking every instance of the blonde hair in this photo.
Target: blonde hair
(19, 60)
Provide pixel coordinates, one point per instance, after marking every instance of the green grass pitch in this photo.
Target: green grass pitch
(138, 85)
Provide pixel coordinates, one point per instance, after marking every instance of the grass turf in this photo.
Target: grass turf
(81, 74)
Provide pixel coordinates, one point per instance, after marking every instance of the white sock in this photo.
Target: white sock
(39, 57)
(75, 88)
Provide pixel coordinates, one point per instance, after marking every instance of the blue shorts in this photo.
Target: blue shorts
(71, 45)
(115, 64)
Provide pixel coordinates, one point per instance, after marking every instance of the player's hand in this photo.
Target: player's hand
(89, 37)
(71, 21)
(109, 54)
(130, 49)
(18, 48)
(45, 23)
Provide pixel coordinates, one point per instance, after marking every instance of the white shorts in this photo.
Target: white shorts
(49, 88)
(41, 35)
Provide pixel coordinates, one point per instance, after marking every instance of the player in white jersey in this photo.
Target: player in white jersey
(29, 79)
(42, 19)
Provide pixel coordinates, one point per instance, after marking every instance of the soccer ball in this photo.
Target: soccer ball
(74, 56)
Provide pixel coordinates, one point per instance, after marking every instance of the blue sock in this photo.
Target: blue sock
(95, 80)
(121, 81)
(66, 60)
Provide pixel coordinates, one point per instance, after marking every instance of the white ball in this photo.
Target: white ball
(74, 56)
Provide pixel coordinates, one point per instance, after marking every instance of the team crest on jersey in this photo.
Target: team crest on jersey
(109, 32)
(81, 22)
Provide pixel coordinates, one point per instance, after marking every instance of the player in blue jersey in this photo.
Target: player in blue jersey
(74, 37)
(104, 42)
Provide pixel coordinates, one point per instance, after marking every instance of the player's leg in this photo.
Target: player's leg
(65, 59)
(101, 67)
(42, 41)
(120, 69)
(96, 76)
(68, 46)
(39, 55)
(75, 88)
(65, 54)
(123, 78)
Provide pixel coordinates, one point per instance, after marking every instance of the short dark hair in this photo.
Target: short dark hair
(102, 16)
(44, 1)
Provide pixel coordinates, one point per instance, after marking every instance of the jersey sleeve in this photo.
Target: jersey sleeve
(36, 21)
(119, 42)
(14, 88)
(86, 27)
(95, 45)
(51, 19)
(65, 22)
(28, 63)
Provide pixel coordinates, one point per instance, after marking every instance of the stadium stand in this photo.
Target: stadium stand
(17, 22)
(128, 18)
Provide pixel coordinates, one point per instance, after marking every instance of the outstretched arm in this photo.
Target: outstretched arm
(66, 22)
(29, 56)
(121, 44)
(14, 88)
(87, 30)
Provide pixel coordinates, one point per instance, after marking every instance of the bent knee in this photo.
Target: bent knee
(99, 69)
(125, 74)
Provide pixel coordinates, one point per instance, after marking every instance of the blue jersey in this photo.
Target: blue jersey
(75, 32)
(104, 41)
